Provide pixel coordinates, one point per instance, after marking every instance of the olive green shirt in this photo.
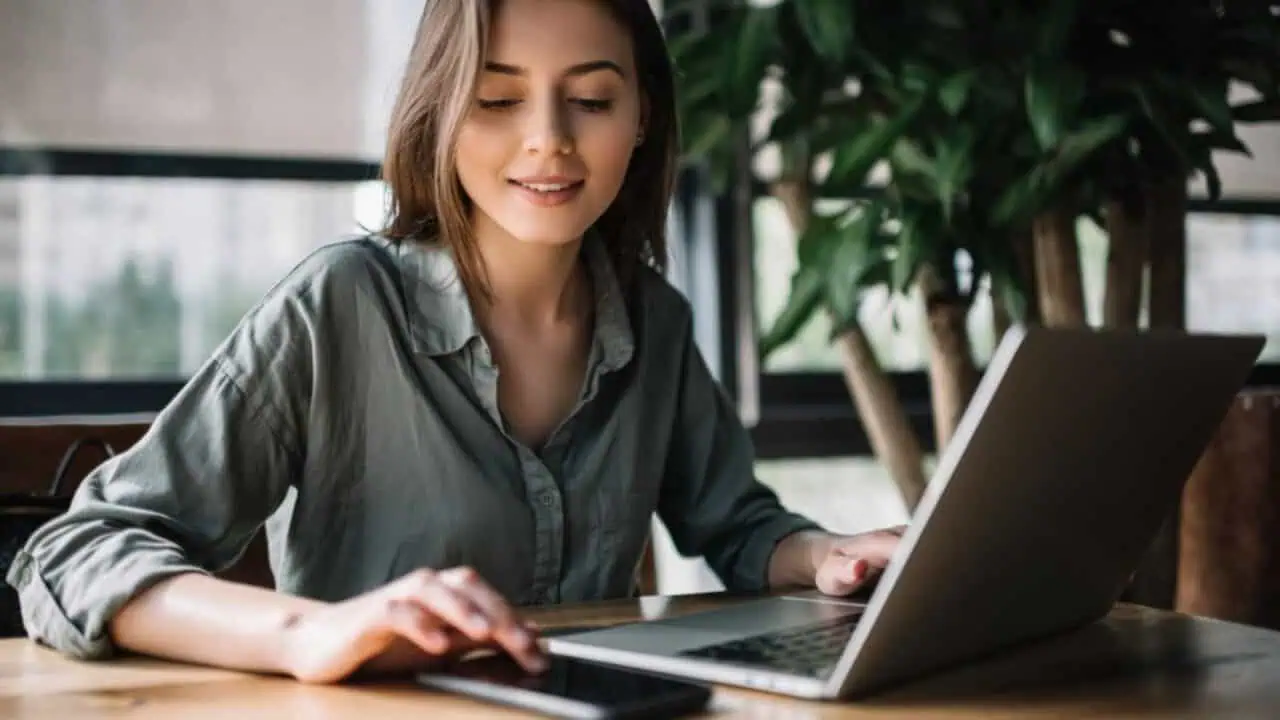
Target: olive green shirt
(354, 411)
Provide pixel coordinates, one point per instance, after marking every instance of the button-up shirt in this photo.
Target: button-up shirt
(354, 412)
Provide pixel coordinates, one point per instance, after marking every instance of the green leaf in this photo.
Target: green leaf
(1053, 95)
(954, 167)
(1164, 125)
(1229, 142)
(1260, 111)
(1026, 196)
(828, 25)
(1212, 180)
(908, 157)
(917, 77)
(751, 57)
(1056, 24)
(807, 286)
(954, 92)
(1006, 289)
(1079, 145)
(912, 245)
(1022, 198)
(815, 245)
(706, 133)
(852, 257)
(1211, 99)
(854, 159)
(1202, 160)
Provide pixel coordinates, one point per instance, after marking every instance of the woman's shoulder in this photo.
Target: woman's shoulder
(349, 263)
(658, 298)
(334, 290)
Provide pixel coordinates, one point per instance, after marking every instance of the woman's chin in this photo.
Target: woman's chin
(550, 237)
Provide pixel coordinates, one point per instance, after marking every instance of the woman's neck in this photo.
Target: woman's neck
(535, 283)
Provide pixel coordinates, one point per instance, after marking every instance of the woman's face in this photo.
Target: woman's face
(555, 118)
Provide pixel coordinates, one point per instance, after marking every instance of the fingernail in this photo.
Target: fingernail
(479, 622)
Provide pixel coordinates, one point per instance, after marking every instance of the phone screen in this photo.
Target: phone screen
(570, 688)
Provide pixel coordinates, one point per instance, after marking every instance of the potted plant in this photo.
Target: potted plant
(998, 128)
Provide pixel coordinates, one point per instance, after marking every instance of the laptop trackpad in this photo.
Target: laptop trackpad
(673, 635)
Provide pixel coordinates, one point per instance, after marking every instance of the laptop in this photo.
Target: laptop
(1072, 451)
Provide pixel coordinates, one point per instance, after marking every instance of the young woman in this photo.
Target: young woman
(477, 409)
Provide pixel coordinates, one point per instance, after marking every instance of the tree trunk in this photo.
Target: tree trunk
(892, 438)
(1126, 259)
(1168, 237)
(795, 203)
(1024, 256)
(1000, 317)
(1057, 263)
(952, 372)
(1155, 583)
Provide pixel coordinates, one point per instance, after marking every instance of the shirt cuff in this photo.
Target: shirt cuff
(47, 621)
(753, 564)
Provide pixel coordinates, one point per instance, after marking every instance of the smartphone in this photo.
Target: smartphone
(570, 688)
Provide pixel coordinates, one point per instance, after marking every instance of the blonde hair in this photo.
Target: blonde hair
(428, 203)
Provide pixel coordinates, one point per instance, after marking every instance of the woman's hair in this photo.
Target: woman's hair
(427, 199)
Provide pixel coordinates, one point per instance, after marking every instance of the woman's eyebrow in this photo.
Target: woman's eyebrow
(585, 68)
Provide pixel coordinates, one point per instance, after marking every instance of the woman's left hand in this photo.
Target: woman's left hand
(850, 561)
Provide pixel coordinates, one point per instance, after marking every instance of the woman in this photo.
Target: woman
(476, 409)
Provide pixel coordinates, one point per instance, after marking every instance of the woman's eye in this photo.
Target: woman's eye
(496, 104)
(593, 105)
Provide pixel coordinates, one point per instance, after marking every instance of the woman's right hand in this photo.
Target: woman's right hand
(421, 617)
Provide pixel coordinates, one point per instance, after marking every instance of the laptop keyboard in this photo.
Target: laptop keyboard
(810, 650)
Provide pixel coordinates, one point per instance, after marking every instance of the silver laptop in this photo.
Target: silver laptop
(1073, 449)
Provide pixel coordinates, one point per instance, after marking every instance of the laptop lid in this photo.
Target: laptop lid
(1072, 451)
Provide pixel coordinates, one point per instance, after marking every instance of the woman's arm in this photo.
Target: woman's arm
(185, 500)
(203, 620)
(711, 500)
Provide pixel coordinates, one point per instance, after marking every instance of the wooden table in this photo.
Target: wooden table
(1136, 663)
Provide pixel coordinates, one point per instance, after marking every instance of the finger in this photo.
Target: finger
(457, 609)
(409, 619)
(842, 575)
(876, 548)
(513, 635)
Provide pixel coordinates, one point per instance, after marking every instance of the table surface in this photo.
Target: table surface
(1137, 662)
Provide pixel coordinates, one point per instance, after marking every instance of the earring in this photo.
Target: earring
(639, 138)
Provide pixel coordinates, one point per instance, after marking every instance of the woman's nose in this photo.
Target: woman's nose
(549, 131)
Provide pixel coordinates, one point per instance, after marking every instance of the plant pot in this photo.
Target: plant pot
(1229, 530)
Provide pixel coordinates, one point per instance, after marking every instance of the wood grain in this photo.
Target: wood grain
(1137, 663)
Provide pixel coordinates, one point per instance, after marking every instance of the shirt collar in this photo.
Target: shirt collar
(441, 318)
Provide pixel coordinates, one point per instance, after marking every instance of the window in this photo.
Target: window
(1233, 276)
(135, 278)
(161, 167)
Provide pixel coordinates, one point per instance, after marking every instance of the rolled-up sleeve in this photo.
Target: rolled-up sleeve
(188, 497)
(711, 501)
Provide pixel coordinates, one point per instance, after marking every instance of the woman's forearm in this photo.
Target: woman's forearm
(199, 619)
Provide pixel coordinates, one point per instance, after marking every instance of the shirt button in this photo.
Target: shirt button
(547, 499)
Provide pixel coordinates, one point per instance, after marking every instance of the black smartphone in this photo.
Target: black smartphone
(570, 688)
